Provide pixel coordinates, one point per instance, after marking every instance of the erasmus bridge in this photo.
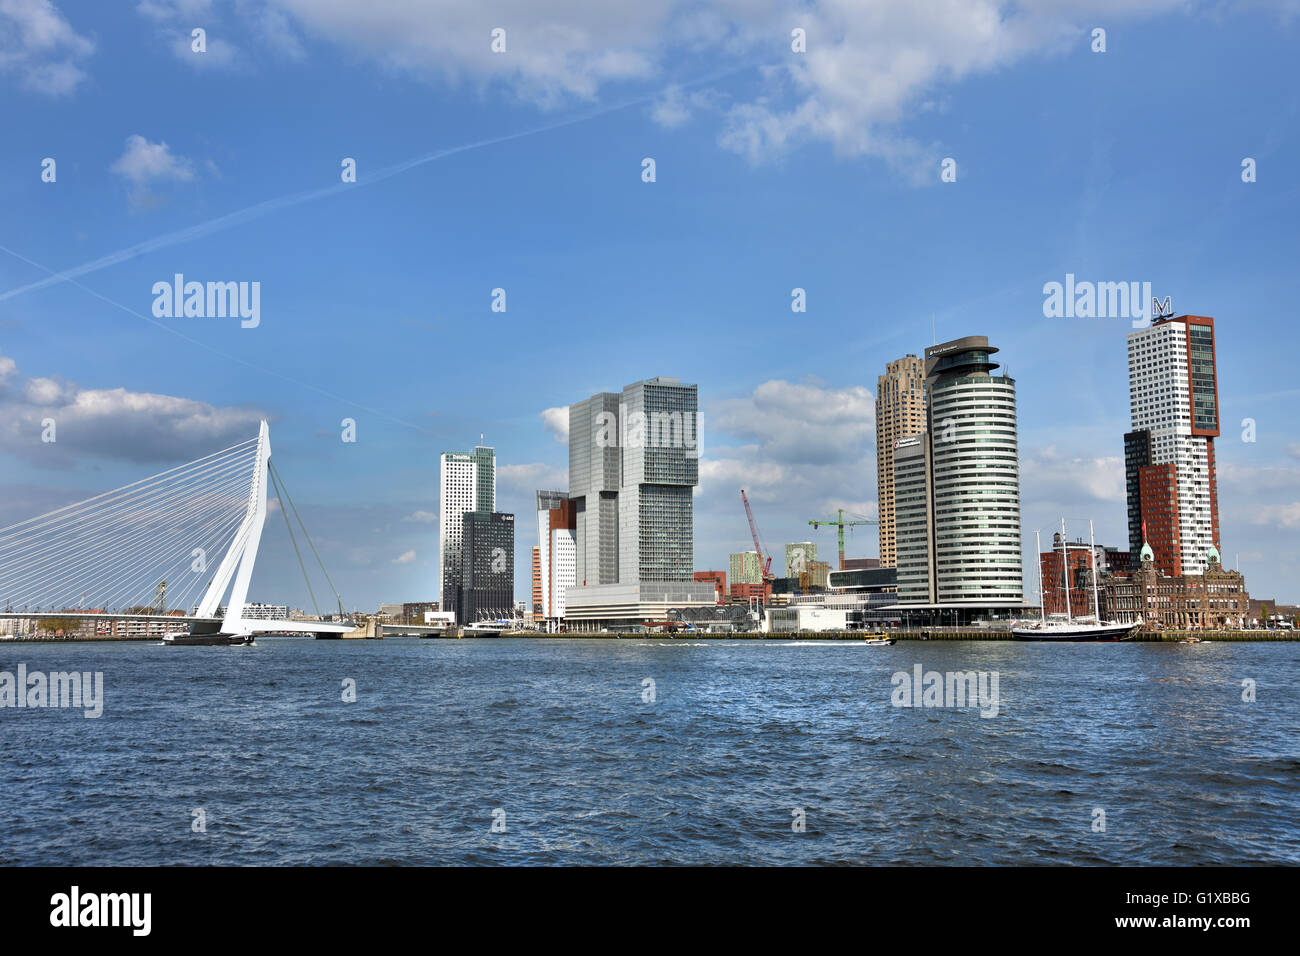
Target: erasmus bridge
(190, 533)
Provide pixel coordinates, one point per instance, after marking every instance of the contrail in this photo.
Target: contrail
(230, 220)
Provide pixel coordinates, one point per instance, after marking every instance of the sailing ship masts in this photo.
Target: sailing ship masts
(1092, 550)
(1065, 571)
(1042, 603)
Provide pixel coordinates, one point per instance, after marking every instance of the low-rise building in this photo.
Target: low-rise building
(613, 606)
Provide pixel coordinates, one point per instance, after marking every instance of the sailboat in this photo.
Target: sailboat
(1070, 629)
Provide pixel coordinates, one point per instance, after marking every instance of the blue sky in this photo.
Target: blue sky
(775, 170)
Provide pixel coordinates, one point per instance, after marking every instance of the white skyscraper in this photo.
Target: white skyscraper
(1169, 454)
(468, 483)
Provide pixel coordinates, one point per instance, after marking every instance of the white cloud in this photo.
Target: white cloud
(556, 421)
(800, 424)
(41, 48)
(524, 479)
(406, 557)
(1059, 477)
(143, 162)
(113, 423)
(422, 517)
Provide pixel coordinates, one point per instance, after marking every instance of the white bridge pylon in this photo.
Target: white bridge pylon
(242, 552)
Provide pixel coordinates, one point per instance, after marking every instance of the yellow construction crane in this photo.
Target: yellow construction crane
(842, 524)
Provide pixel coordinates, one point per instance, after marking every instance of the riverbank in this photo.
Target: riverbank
(946, 634)
(1154, 637)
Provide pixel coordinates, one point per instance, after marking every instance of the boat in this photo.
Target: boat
(1082, 629)
(187, 638)
(1191, 640)
(879, 640)
(482, 629)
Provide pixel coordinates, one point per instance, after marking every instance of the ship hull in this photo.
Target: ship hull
(1075, 633)
(207, 640)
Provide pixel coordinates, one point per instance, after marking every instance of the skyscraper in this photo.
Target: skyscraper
(798, 556)
(468, 483)
(744, 568)
(900, 413)
(1169, 454)
(633, 465)
(957, 486)
(487, 567)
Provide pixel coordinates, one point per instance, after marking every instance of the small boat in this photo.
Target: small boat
(186, 638)
(879, 640)
(1191, 640)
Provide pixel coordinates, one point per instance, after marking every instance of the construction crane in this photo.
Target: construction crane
(765, 566)
(841, 524)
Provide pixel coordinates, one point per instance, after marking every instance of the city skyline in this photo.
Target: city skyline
(388, 289)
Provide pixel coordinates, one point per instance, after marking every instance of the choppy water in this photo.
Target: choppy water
(556, 734)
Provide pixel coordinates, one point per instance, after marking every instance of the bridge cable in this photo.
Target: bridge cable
(282, 487)
(279, 493)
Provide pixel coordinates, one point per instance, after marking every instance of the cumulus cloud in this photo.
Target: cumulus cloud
(144, 162)
(1060, 477)
(422, 517)
(115, 423)
(406, 557)
(800, 424)
(868, 67)
(556, 421)
(41, 48)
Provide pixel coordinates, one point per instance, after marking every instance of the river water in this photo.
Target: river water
(756, 752)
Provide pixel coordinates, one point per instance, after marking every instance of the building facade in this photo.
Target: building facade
(900, 413)
(487, 562)
(633, 467)
(798, 554)
(744, 568)
(468, 483)
(1213, 599)
(1170, 473)
(557, 531)
(957, 485)
(719, 581)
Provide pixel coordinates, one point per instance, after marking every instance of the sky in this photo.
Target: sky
(522, 170)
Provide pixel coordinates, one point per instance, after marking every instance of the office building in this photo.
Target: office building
(468, 483)
(744, 568)
(535, 608)
(797, 556)
(719, 581)
(1169, 462)
(487, 563)
(900, 413)
(957, 489)
(557, 534)
(633, 467)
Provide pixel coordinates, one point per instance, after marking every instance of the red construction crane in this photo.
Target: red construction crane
(753, 530)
